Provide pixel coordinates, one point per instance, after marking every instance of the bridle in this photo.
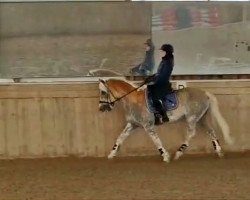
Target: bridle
(108, 99)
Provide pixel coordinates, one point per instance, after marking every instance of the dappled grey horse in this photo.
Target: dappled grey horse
(194, 104)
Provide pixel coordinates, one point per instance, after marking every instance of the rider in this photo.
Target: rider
(159, 85)
(147, 66)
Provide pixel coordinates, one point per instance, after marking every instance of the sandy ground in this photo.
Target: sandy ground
(192, 177)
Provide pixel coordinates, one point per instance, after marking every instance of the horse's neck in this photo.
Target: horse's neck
(122, 88)
(119, 87)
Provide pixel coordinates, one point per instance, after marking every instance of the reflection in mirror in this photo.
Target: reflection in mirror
(67, 39)
(103, 72)
(208, 38)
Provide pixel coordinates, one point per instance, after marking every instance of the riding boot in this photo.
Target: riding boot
(159, 112)
(163, 111)
(161, 115)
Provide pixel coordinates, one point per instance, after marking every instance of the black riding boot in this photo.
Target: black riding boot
(161, 115)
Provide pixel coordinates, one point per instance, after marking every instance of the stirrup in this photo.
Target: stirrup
(158, 119)
(165, 117)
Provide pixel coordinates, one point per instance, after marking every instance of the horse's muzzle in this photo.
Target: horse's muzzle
(105, 108)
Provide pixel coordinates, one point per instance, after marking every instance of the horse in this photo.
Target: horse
(103, 73)
(195, 105)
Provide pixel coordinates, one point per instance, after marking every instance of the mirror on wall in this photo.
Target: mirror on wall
(67, 39)
(209, 38)
(70, 39)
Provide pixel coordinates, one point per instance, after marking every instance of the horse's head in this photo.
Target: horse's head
(90, 73)
(106, 103)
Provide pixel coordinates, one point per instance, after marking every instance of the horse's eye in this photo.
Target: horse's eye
(103, 93)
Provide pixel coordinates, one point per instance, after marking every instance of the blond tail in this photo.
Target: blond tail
(219, 118)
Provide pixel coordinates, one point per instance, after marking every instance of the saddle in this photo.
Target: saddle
(170, 102)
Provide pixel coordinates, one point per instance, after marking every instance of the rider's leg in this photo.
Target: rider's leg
(161, 110)
(158, 113)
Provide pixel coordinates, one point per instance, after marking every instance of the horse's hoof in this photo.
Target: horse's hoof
(166, 158)
(220, 154)
(111, 156)
(178, 154)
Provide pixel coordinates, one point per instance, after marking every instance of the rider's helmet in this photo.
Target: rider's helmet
(148, 42)
(167, 48)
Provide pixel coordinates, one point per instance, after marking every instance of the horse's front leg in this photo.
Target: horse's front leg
(125, 133)
(156, 140)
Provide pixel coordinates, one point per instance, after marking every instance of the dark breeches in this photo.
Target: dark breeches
(159, 91)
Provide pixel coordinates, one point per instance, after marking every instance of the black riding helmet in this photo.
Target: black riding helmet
(167, 48)
(148, 42)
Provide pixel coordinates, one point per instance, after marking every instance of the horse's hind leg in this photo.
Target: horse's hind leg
(207, 123)
(156, 140)
(191, 130)
(215, 142)
(125, 133)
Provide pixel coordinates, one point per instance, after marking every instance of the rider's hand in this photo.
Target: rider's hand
(149, 79)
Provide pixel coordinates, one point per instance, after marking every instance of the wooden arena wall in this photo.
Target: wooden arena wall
(52, 120)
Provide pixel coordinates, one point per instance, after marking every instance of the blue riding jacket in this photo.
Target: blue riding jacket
(161, 85)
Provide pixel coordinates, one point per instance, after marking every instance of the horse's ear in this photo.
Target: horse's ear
(102, 86)
(102, 81)
(90, 73)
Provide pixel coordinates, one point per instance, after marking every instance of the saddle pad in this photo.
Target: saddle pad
(171, 102)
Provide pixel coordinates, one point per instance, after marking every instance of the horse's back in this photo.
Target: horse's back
(190, 92)
(192, 96)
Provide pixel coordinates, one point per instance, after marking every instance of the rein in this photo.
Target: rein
(121, 97)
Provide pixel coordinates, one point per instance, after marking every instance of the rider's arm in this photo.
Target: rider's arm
(164, 72)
